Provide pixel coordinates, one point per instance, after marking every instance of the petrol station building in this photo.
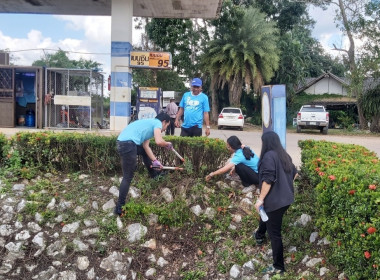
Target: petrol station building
(122, 13)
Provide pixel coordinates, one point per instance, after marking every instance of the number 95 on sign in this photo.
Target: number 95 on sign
(161, 60)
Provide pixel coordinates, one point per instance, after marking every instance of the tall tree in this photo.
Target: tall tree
(302, 57)
(370, 104)
(287, 14)
(164, 79)
(358, 19)
(87, 64)
(183, 38)
(60, 60)
(246, 55)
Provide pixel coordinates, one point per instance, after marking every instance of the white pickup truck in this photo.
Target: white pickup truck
(313, 116)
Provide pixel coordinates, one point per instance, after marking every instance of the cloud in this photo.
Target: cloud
(324, 20)
(328, 33)
(32, 43)
(94, 43)
(97, 29)
(325, 29)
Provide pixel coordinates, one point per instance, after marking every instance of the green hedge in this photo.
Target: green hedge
(202, 155)
(71, 152)
(347, 188)
(67, 152)
(3, 149)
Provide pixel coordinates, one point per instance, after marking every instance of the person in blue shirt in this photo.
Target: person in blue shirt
(195, 107)
(244, 163)
(134, 140)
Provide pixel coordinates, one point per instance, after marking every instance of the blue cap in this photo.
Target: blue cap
(196, 82)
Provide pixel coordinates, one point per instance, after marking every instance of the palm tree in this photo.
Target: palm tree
(247, 54)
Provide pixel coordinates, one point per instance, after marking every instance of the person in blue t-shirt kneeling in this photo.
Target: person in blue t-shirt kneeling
(134, 140)
(244, 163)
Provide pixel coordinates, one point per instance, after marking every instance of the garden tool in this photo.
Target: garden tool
(172, 168)
(168, 168)
(178, 155)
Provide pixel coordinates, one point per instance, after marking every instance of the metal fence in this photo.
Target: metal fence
(73, 99)
(6, 83)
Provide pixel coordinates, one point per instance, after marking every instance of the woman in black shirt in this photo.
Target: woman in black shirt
(276, 175)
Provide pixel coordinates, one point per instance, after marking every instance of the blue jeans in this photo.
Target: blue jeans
(128, 152)
(273, 226)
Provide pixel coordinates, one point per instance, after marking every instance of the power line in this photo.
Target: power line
(43, 49)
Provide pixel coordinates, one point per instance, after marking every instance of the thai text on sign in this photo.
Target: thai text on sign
(160, 60)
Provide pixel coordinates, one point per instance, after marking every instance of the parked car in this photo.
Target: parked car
(313, 116)
(231, 117)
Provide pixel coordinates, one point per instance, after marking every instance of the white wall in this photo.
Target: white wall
(327, 85)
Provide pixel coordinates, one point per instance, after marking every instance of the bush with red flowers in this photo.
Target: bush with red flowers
(348, 203)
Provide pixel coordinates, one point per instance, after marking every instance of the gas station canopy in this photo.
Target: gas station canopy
(141, 8)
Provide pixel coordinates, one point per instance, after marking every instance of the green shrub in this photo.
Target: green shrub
(4, 149)
(67, 151)
(202, 155)
(347, 203)
(71, 152)
(175, 213)
(10, 160)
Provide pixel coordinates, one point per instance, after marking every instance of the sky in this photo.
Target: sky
(89, 37)
(326, 30)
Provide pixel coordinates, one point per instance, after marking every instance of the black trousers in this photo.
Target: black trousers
(273, 226)
(191, 131)
(171, 127)
(128, 152)
(247, 175)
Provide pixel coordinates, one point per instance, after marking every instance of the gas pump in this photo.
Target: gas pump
(148, 102)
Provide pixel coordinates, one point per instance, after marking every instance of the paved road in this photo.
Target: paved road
(252, 138)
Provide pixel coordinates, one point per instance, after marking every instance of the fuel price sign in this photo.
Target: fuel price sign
(157, 60)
